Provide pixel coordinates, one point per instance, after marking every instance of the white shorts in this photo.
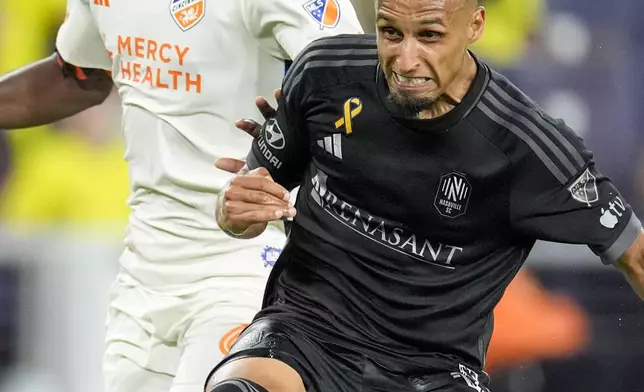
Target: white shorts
(169, 341)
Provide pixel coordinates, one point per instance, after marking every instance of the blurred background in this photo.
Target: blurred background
(567, 323)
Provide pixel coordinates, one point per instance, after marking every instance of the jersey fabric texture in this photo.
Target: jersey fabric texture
(408, 231)
(185, 71)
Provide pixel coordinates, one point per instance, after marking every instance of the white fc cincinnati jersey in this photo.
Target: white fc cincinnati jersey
(185, 71)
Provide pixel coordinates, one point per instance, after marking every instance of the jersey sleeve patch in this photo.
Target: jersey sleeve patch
(326, 13)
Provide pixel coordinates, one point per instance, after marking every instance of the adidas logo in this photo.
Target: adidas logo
(332, 145)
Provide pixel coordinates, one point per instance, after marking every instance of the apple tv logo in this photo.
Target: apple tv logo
(610, 216)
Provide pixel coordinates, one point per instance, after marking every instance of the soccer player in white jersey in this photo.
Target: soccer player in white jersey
(185, 71)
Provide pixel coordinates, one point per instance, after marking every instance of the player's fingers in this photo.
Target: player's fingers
(251, 127)
(277, 94)
(262, 172)
(231, 165)
(241, 213)
(255, 197)
(262, 184)
(265, 108)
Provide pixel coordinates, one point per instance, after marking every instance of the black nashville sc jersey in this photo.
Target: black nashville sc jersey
(408, 231)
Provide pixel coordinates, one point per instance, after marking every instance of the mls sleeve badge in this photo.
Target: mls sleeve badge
(187, 13)
(584, 189)
(325, 12)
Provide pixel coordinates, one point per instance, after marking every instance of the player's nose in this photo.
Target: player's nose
(407, 59)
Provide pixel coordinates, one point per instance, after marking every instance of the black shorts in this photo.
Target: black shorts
(332, 366)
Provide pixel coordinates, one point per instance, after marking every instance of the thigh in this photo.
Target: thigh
(135, 359)
(215, 318)
(269, 347)
(204, 344)
(121, 374)
(263, 355)
(272, 375)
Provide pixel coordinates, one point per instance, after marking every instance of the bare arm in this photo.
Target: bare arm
(40, 93)
(632, 265)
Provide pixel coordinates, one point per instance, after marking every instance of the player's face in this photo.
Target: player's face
(422, 46)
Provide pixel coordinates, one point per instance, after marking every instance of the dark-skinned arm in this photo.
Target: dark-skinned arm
(49, 90)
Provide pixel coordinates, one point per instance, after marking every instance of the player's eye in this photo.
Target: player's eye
(430, 34)
(390, 33)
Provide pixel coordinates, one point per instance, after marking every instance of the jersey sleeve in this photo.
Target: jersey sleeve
(282, 147)
(284, 27)
(79, 41)
(283, 144)
(571, 202)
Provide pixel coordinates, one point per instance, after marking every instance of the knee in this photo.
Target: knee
(270, 374)
(236, 385)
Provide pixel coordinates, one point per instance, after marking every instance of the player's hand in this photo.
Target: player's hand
(252, 127)
(231, 165)
(251, 199)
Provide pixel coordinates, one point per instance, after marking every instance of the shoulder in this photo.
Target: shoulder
(527, 135)
(331, 61)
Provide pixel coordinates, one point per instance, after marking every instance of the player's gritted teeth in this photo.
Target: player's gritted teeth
(409, 82)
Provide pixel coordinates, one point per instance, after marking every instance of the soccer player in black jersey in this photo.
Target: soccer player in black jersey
(426, 178)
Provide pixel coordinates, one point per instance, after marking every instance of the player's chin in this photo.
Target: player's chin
(412, 102)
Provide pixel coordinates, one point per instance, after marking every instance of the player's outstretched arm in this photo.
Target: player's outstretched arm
(40, 93)
(632, 265)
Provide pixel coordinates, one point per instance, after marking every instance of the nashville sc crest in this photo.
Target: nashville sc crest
(453, 195)
(187, 13)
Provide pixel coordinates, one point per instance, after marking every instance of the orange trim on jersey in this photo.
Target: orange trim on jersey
(80, 74)
(230, 337)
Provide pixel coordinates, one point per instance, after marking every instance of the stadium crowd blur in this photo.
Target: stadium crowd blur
(566, 323)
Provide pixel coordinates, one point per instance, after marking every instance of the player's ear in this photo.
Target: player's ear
(477, 25)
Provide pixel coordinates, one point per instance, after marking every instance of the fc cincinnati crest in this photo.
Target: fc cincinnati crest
(584, 189)
(187, 13)
(325, 12)
(453, 195)
(270, 254)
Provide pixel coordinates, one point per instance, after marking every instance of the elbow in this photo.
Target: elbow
(101, 96)
(100, 90)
